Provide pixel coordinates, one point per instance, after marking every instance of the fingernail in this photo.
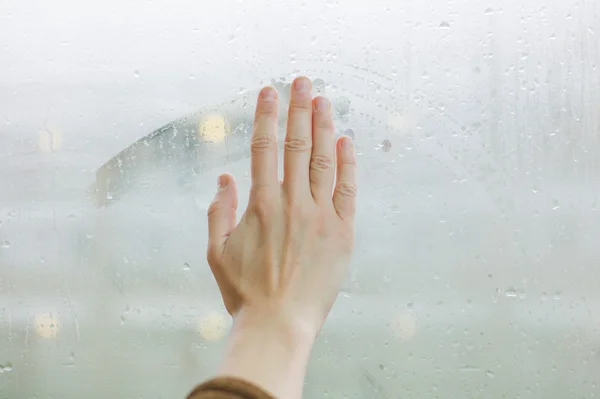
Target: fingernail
(302, 85)
(268, 94)
(222, 182)
(322, 104)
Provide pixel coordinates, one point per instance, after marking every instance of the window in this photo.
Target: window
(476, 271)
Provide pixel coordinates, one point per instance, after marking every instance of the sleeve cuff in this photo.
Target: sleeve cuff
(230, 388)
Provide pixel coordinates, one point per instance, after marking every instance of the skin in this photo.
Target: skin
(280, 269)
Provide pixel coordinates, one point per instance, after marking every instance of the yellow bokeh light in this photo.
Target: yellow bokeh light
(50, 139)
(213, 128)
(404, 326)
(46, 325)
(213, 326)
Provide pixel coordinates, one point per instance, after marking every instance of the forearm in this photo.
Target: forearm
(270, 354)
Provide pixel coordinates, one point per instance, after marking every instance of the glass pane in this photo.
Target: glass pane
(476, 268)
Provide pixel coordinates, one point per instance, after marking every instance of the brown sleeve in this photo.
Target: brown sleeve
(228, 388)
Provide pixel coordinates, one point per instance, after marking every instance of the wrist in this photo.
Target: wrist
(270, 352)
(286, 328)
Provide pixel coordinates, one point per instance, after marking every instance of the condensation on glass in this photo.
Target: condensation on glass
(476, 268)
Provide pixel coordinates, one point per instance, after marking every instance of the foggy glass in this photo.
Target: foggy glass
(476, 270)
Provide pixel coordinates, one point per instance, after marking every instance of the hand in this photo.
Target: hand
(289, 254)
(280, 269)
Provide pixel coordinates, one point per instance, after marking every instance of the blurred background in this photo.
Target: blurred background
(476, 272)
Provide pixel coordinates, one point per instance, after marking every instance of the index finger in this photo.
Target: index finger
(263, 144)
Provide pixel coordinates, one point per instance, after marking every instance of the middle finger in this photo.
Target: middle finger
(298, 139)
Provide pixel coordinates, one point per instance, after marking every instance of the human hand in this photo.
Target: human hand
(285, 261)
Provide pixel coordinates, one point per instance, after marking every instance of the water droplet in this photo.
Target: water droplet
(386, 145)
(136, 74)
(287, 92)
(186, 266)
(5, 368)
(349, 133)
(444, 25)
(5, 244)
(490, 374)
(489, 11)
(319, 85)
(342, 106)
(313, 40)
(557, 294)
(231, 39)
(510, 292)
(469, 369)
(555, 205)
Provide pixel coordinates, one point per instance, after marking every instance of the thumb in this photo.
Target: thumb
(221, 215)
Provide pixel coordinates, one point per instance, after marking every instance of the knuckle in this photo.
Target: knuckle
(260, 206)
(324, 126)
(301, 106)
(348, 161)
(321, 162)
(265, 111)
(213, 208)
(325, 123)
(262, 143)
(346, 190)
(298, 144)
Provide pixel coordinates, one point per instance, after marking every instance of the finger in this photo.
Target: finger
(344, 195)
(221, 215)
(264, 140)
(298, 139)
(323, 151)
